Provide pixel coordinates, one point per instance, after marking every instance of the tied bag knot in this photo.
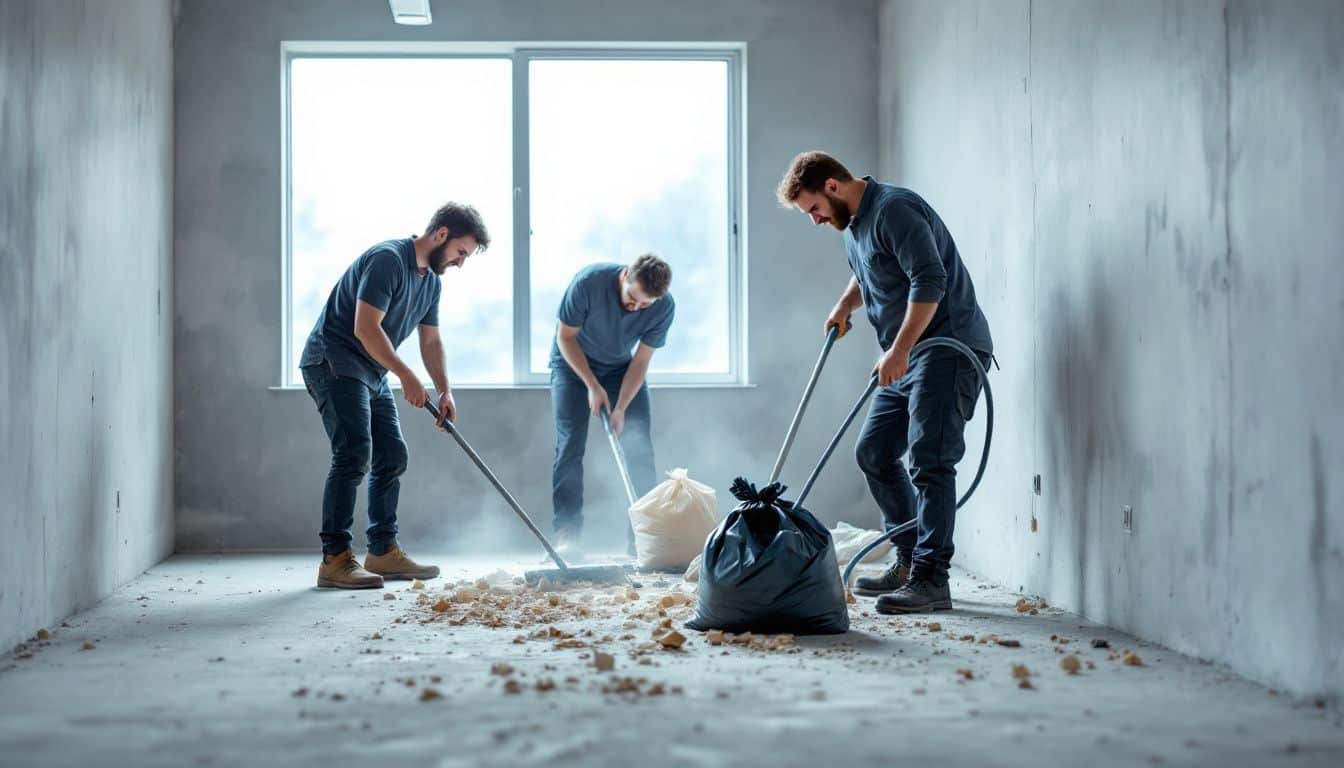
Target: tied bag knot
(753, 499)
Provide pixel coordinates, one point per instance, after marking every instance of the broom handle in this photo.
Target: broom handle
(480, 464)
(831, 336)
(853, 412)
(619, 453)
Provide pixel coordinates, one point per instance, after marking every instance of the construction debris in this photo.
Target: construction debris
(43, 634)
(1131, 659)
(934, 626)
(966, 674)
(669, 638)
(502, 669)
(1070, 664)
(1009, 643)
(604, 662)
(389, 596)
(1031, 606)
(429, 694)
(1098, 642)
(516, 606)
(417, 585)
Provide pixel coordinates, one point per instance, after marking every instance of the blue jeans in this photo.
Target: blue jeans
(365, 433)
(925, 412)
(569, 405)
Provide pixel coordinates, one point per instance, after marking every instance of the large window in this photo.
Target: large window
(571, 156)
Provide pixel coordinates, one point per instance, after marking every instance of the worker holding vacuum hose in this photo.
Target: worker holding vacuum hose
(385, 294)
(912, 284)
(607, 311)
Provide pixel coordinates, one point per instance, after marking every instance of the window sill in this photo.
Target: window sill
(488, 387)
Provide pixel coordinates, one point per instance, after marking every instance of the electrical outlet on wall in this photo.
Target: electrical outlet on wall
(1127, 518)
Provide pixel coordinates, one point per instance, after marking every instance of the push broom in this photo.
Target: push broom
(615, 574)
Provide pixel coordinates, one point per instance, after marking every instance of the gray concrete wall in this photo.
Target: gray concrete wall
(85, 302)
(1148, 195)
(251, 461)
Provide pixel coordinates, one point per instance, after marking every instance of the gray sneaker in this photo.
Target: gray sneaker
(891, 579)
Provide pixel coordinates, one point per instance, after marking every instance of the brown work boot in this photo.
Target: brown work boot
(343, 572)
(397, 565)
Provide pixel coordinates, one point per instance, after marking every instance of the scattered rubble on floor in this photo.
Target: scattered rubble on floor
(1007, 643)
(389, 596)
(519, 606)
(42, 634)
(1023, 676)
(429, 694)
(1070, 664)
(604, 662)
(1131, 659)
(502, 669)
(668, 637)
(1031, 606)
(417, 585)
(1098, 642)
(88, 646)
(966, 674)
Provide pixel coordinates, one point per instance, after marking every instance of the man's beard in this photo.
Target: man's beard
(438, 259)
(840, 213)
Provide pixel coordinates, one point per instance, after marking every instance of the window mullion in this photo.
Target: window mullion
(522, 225)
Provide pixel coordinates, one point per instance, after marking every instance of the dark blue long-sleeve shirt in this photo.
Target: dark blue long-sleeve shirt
(900, 252)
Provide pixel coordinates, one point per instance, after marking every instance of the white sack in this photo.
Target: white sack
(849, 540)
(672, 521)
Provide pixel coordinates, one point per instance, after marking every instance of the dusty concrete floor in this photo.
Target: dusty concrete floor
(199, 662)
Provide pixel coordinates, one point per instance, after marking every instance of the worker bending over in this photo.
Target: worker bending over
(606, 311)
(912, 284)
(389, 291)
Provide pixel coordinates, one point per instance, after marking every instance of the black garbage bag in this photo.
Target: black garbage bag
(769, 567)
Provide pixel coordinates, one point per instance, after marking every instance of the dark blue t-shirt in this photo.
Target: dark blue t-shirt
(388, 277)
(607, 332)
(900, 252)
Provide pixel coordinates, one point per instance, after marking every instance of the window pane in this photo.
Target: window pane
(629, 156)
(376, 145)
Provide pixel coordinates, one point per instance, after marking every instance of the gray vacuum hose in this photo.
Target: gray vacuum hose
(939, 341)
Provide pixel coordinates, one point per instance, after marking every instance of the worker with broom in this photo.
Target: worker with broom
(913, 285)
(611, 320)
(389, 291)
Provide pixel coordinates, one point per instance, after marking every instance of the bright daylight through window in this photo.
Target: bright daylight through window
(622, 156)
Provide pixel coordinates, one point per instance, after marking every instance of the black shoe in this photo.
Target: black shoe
(926, 591)
(891, 580)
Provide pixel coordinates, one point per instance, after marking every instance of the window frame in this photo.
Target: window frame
(522, 54)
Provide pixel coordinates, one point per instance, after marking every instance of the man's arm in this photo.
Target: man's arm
(911, 242)
(567, 338)
(630, 384)
(896, 360)
(431, 351)
(369, 331)
(849, 301)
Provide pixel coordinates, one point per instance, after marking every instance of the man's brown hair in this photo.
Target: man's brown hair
(652, 273)
(461, 220)
(808, 173)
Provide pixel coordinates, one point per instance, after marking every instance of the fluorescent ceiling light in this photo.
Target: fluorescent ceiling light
(414, 12)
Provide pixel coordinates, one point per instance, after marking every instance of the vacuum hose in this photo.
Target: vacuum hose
(939, 341)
